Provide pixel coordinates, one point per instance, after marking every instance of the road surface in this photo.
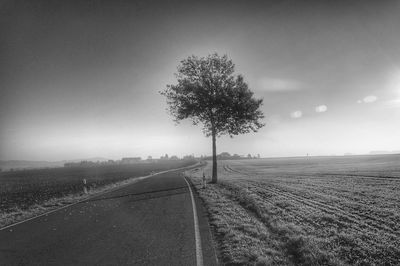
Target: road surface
(150, 222)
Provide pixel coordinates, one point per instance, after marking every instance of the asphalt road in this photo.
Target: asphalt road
(147, 223)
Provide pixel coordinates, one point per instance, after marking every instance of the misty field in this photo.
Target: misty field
(306, 211)
(22, 189)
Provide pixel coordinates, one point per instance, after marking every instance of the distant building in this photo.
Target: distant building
(130, 160)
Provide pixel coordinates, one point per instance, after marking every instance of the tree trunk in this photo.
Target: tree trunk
(214, 150)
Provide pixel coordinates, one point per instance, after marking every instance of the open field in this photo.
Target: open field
(22, 189)
(307, 211)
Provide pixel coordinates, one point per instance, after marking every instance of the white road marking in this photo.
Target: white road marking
(136, 179)
(199, 251)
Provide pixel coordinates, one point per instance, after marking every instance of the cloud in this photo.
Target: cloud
(296, 114)
(321, 108)
(393, 87)
(277, 85)
(368, 99)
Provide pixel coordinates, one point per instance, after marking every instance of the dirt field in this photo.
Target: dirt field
(309, 210)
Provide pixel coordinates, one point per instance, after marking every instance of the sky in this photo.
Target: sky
(81, 79)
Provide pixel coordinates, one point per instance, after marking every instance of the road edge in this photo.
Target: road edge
(199, 250)
(210, 254)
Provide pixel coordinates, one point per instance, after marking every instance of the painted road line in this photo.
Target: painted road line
(135, 180)
(199, 251)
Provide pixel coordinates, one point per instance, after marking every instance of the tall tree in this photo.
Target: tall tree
(208, 92)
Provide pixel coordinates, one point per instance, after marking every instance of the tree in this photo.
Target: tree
(208, 92)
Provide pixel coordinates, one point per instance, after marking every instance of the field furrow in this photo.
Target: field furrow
(360, 221)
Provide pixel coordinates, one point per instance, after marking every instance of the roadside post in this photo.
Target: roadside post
(84, 186)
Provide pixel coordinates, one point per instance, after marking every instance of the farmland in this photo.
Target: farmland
(306, 210)
(23, 189)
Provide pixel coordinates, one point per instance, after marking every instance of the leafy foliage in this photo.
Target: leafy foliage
(208, 92)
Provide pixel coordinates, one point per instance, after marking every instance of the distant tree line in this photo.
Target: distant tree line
(128, 160)
(228, 156)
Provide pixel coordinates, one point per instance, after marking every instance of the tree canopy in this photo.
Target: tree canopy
(208, 92)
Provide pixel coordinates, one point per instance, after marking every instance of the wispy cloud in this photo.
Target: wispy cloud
(296, 114)
(393, 81)
(392, 103)
(393, 88)
(278, 85)
(321, 108)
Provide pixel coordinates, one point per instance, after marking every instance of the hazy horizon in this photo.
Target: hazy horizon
(244, 155)
(80, 79)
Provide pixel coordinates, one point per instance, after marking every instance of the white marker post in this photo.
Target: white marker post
(84, 186)
(204, 181)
